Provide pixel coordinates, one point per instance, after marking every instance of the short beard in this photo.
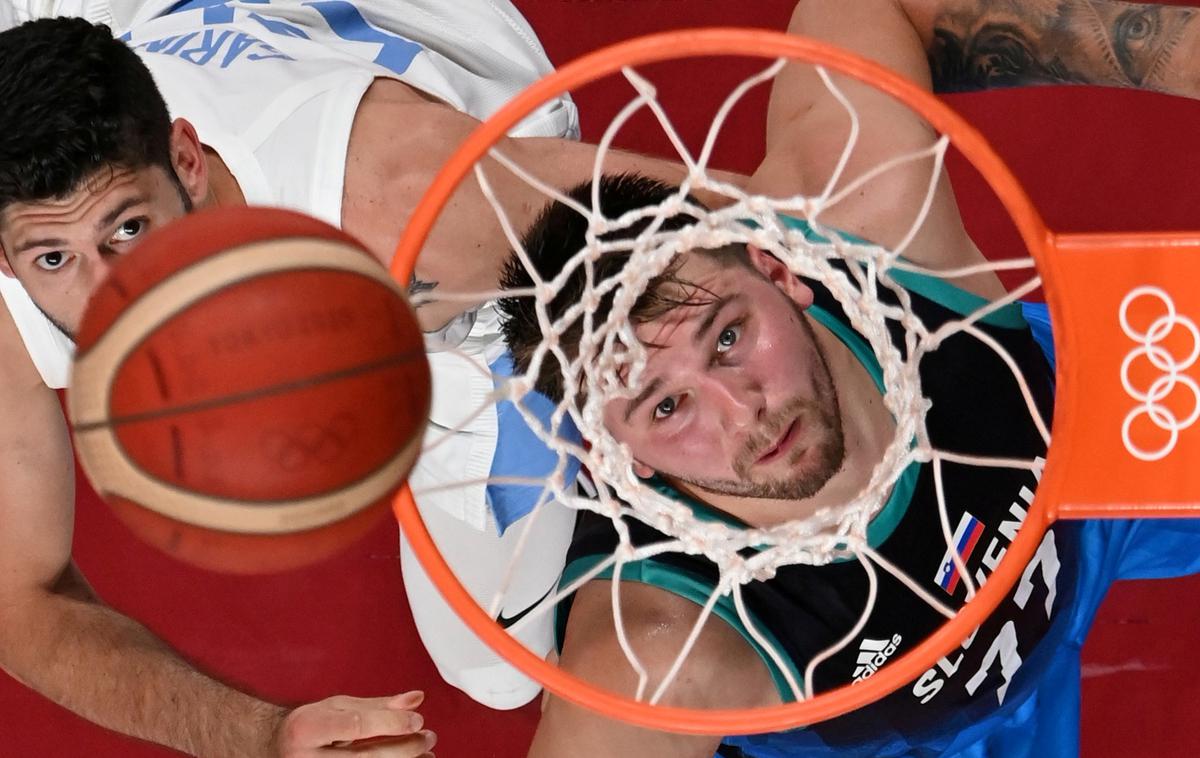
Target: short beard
(830, 453)
(57, 324)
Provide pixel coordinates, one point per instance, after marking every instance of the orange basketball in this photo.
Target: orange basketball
(250, 389)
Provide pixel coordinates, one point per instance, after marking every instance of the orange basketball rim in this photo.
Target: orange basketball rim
(1094, 468)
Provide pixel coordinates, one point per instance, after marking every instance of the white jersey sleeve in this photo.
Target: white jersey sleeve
(117, 14)
(214, 60)
(50, 349)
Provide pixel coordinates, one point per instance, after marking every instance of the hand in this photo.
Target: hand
(379, 727)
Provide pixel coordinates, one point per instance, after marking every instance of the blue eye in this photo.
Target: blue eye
(664, 408)
(728, 338)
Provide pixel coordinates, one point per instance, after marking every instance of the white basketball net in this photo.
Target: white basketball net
(611, 359)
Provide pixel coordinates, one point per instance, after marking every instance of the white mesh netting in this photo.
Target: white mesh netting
(611, 360)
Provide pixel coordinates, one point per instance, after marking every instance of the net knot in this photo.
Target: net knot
(591, 300)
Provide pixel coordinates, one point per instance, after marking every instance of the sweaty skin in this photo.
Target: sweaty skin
(60, 250)
(727, 421)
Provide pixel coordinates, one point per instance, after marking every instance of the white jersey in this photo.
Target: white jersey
(273, 86)
(115, 13)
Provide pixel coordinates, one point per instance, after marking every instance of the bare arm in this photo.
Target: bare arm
(949, 45)
(58, 638)
(387, 172)
(722, 671)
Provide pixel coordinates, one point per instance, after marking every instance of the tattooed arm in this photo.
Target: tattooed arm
(949, 45)
(980, 44)
(419, 287)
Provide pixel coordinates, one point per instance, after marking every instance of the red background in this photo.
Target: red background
(1090, 159)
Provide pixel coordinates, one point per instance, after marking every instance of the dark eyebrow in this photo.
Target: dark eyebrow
(108, 220)
(111, 217)
(641, 398)
(31, 244)
(715, 308)
(710, 316)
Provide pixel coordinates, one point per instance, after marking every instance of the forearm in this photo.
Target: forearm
(980, 44)
(114, 672)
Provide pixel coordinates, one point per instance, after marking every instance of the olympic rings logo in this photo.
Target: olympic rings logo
(1172, 373)
(295, 449)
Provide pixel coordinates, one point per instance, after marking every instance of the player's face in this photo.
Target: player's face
(62, 249)
(737, 398)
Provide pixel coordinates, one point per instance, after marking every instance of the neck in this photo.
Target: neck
(223, 188)
(867, 428)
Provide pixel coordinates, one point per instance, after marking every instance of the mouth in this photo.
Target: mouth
(781, 446)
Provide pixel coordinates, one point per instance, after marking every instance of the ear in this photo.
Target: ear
(5, 266)
(642, 471)
(188, 161)
(777, 272)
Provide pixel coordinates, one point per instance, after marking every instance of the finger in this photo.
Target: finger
(344, 719)
(356, 724)
(417, 745)
(406, 701)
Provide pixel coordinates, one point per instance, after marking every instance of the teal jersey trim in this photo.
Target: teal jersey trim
(696, 588)
(934, 288)
(691, 587)
(884, 522)
(960, 301)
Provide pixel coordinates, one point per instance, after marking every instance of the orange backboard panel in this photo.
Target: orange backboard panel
(1126, 433)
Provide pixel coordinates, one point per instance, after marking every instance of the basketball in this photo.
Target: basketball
(249, 390)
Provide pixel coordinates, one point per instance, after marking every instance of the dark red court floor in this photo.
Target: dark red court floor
(1091, 160)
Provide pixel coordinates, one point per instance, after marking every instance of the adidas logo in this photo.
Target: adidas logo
(872, 654)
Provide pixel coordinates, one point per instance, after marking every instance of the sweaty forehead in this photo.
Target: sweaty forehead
(693, 308)
(93, 195)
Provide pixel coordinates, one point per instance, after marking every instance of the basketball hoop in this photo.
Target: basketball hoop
(1099, 465)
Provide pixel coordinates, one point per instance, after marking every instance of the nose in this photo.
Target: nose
(738, 397)
(97, 268)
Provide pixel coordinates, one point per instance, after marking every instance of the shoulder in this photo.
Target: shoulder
(719, 670)
(399, 140)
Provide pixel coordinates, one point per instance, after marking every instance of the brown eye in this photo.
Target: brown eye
(51, 261)
(129, 230)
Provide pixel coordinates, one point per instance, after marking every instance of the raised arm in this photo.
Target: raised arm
(949, 45)
(59, 639)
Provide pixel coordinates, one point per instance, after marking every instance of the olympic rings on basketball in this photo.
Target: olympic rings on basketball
(1171, 368)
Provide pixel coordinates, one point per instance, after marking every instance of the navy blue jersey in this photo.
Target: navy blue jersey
(977, 409)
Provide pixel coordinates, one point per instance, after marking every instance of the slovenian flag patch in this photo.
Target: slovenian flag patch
(966, 536)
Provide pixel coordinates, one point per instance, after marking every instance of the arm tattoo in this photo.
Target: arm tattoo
(996, 55)
(977, 44)
(1142, 43)
(417, 286)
